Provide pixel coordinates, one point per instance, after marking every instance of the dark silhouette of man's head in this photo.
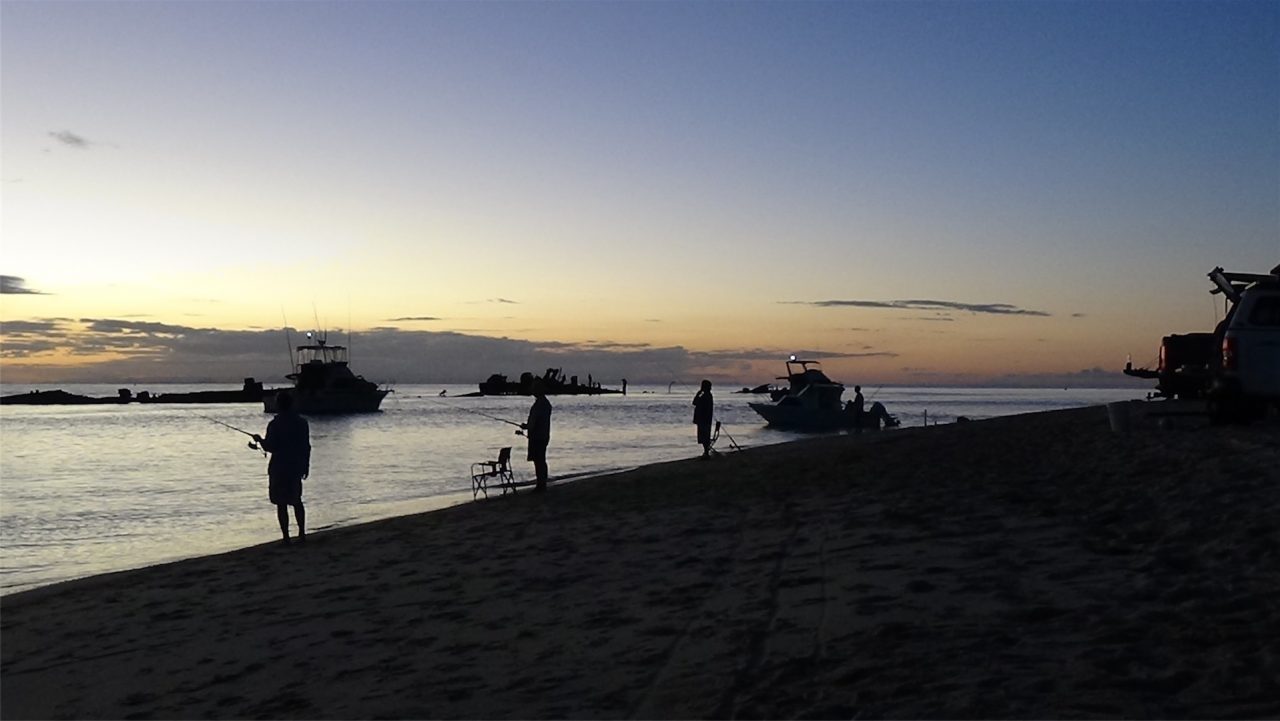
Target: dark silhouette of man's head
(706, 385)
(284, 402)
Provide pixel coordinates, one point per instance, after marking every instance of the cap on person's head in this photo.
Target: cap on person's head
(284, 400)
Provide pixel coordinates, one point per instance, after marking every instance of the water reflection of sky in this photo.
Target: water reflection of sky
(88, 489)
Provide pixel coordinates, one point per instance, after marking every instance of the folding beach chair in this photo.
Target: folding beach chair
(493, 473)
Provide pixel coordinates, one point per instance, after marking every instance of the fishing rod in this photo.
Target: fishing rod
(732, 443)
(252, 443)
(227, 425)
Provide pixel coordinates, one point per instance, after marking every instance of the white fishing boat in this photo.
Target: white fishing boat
(812, 402)
(323, 383)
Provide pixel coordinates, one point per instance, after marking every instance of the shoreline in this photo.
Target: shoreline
(1021, 566)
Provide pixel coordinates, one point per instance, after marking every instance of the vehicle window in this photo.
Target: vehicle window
(1266, 311)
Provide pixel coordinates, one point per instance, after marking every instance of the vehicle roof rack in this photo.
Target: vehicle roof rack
(1232, 284)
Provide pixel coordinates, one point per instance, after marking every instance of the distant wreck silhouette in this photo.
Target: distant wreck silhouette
(251, 392)
(553, 382)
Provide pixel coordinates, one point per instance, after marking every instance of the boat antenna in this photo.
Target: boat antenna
(288, 339)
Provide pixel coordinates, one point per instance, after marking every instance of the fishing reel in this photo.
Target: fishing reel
(253, 445)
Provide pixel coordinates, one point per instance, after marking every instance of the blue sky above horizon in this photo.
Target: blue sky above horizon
(716, 177)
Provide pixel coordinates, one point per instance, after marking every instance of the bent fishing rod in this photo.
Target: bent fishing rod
(252, 443)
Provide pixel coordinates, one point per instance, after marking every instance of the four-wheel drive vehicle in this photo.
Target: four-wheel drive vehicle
(1248, 375)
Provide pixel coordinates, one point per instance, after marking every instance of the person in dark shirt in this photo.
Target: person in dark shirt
(703, 412)
(538, 431)
(857, 407)
(288, 440)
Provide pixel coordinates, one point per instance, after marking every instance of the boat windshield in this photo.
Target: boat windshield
(321, 353)
(804, 372)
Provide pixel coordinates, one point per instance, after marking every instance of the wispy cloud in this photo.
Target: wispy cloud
(502, 301)
(940, 305)
(135, 327)
(29, 327)
(561, 347)
(413, 318)
(14, 285)
(70, 139)
(770, 354)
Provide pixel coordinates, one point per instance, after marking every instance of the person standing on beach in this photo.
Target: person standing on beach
(538, 430)
(703, 412)
(857, 407)
(289, 442)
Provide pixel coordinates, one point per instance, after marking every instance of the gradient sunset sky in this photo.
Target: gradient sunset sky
(915, 192)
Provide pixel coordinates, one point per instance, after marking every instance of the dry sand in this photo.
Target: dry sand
(1024, 567)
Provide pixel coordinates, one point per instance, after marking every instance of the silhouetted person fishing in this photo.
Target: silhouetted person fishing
(288, 441)
(703, 413)
(538, 431)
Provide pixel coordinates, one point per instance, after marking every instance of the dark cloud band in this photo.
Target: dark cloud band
(13, 285)
(941, 305)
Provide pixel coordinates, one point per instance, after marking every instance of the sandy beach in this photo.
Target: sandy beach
(1035, 566)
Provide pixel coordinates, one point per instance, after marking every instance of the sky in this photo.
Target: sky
(916, 193)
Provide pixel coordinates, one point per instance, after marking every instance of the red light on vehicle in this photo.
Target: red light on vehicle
(1229, 357)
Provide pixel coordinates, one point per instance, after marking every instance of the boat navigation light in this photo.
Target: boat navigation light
(793, 356)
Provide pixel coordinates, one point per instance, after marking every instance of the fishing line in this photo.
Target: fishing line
(472, 410)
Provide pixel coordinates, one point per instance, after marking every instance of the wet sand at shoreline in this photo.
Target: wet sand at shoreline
(1028, 566)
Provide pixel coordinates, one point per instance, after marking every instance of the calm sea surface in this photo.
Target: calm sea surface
(93, 489)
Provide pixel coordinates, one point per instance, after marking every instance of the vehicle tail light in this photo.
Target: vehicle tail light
(1229, 358)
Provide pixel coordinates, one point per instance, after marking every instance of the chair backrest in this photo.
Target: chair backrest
(504, 457)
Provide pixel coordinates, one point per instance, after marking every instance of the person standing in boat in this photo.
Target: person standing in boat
(288, 440)
(538, 430)
(703, 412)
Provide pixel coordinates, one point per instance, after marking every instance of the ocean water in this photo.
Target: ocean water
(94, 489)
